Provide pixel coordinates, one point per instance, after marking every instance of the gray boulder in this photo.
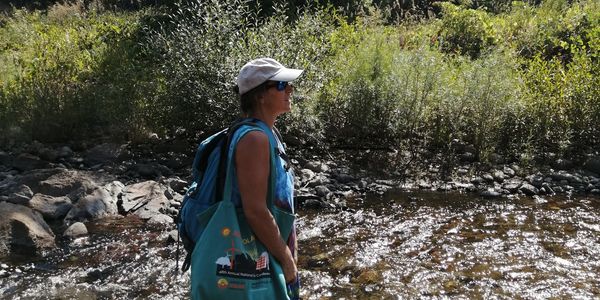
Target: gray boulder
(27, 162)
(21, 195)
(306, 175)
(65, 182)
(76, 229)
(99, 203)
(488, 177)
(104, 153)
(508, 172)
(23, 230)
(51, 207)
(528, 189)
(512, 186)
(322, 191)
(316, 166)
(344, 178)
(146, 199)
(499, 176)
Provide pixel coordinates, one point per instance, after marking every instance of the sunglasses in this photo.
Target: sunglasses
(281, 85)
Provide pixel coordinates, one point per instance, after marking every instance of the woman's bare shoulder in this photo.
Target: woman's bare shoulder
(255, 140)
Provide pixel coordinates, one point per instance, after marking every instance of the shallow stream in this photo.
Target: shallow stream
(406, 245)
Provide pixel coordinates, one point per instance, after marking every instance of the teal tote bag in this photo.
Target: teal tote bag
(228, 261)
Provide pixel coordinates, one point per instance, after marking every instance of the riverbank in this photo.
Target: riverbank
(49, 192)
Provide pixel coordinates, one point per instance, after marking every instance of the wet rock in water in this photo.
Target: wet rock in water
(160, 219)
(536, 180)
(104, 153)
(318, 180)
(512, 185)
(145, 199)
(499, 176)
(488, 177)
(306, 175)
(313, 203)
(490, 194)
(477, 180)
(51, 207)
(547, 188)
(528, 189)
(509, 172)
(23, 230)
(318, 261)
(172, 236)
(424, 185)
(316, 166)
(99, 203)
(97, 275)
(76, 229)
(466, 186)
(21, 195)
(344, 178)
(178, 185)
(566, 177)
(322, 191)
(462, 171)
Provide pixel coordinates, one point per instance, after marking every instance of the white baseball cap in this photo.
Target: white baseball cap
(257, 71)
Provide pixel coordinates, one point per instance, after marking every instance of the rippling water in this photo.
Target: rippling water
(407, 245)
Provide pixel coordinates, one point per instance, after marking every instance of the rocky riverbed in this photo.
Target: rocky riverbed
(48, 193)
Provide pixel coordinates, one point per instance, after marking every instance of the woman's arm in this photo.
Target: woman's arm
(252, 165)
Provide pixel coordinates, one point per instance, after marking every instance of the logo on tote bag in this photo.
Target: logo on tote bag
(240, 264)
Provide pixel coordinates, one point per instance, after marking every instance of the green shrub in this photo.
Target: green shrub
(62, 71)
(465, 31)
(476, 98)
(356, 103)
(206, 44)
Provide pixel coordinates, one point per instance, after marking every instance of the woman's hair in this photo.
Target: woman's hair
(249, 100)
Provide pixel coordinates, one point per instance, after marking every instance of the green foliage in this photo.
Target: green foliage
(465, 31)
(54, 66)
(505, 79)
(206, 44)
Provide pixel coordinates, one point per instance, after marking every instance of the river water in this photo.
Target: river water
(401, 246)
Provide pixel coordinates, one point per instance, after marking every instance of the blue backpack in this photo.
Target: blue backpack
(206, 187)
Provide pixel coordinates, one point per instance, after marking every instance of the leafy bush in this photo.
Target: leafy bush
(357, 103)
(207, 43)
(465, 31)
(55, 67)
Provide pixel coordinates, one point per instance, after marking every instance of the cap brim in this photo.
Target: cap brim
(287, 75)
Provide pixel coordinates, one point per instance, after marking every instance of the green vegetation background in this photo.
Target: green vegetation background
(518, 79)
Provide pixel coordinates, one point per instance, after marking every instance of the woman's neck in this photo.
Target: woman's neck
(266, 118)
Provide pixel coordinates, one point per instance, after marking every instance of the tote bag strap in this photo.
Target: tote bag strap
(228, 187)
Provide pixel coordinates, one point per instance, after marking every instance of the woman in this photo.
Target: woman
(265, 93)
